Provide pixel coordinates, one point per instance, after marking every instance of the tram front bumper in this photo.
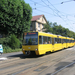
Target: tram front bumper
(28, 52)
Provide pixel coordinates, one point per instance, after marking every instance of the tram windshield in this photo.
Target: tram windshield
(30, 38)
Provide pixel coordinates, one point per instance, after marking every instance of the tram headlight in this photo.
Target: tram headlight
(36, 49)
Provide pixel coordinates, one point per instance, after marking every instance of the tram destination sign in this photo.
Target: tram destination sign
(31, 33)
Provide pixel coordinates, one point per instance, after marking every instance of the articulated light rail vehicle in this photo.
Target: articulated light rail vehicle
(40, 43)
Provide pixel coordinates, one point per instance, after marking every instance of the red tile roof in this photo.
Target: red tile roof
(34, 18)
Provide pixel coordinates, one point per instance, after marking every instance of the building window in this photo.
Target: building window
(38, 30)
(39, 25)
(42, 18)
(31, 25)
(42, 25)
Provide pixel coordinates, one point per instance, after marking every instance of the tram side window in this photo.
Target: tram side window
(40, 40)
(59, 40)
(56, 40)
(53, 41)
(64, 40)
(70, 41)
(49, 40)
(67, 41)
(45, 40)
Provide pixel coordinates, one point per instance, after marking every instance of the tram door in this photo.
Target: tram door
(52, 41)
(53, 44)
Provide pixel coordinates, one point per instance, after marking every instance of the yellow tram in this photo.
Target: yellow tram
(41, 43)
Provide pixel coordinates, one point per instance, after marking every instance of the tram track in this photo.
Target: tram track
(38, 61)
(63, 68)
(52, 64)
(14, 61)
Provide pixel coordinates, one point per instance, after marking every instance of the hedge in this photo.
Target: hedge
(11, 50)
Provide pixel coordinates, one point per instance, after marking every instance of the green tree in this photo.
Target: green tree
(14, 42)
(47, 27)
(15, 17)
(60, 30)
(55, 28)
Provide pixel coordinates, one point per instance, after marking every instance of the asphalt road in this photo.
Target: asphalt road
(12, 55)
(57, 63)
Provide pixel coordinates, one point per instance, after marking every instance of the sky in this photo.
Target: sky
(60, 11)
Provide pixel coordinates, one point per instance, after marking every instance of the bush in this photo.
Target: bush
(6, 49)
(9, 50)
(4, 41)
(10, 44)
(14, 42)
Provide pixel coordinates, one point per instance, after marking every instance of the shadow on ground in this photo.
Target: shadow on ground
(22, 56)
